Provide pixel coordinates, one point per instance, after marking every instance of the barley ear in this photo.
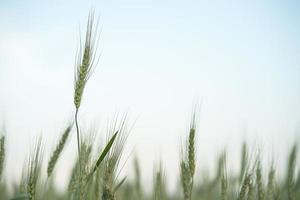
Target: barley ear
(259, 181)
(245, 187)
(2, 155)
(290, 182)
(244, 162)
(185, 180)
(271, 183)
(59, 148)
(34, 168)
(224, 179)
(191, 143)
(85, 62)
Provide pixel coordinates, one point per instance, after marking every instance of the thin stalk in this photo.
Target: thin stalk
(77, 132)
(78, 139)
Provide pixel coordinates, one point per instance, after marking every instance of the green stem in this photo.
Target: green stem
(78, 139)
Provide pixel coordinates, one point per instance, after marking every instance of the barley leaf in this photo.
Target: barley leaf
(105, 151)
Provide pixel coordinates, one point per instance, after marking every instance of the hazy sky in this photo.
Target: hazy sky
(241, 58)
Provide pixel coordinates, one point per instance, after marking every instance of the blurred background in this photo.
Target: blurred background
(240, 60)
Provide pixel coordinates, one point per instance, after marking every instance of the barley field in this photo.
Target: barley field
(96, 171)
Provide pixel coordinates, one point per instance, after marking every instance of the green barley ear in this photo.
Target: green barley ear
(2, 155)
(187, 164)
(159, 192)
(85, 62)
(244, 161)
(290, 182)
(224, 178)
(34, 170)
(245, 187)
(59, 148)
(191, 147)
(137, 178)
(271, 183)
(259, 181)
(185, 180)
(112, 158)
(251, 191)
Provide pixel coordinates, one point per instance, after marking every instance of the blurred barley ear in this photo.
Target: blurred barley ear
(224, 179)
(112, 158)
(245, 187)
(137, 174)
(290, 182)
(244, 162)
(187, 164)
(185, 180)
(2, 155)
(34, 170)
(259, 181)
(251, 191)
(59, 148)
(191, 147)
(271, 183)
(160, 186)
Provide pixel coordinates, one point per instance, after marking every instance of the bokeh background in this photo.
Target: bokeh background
(239, 59)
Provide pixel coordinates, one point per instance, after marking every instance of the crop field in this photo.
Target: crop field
(95, 174)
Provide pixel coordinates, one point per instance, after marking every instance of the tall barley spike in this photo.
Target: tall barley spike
(56, 153)
(85, 65)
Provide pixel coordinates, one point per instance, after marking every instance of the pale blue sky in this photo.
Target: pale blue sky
(240, 57)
